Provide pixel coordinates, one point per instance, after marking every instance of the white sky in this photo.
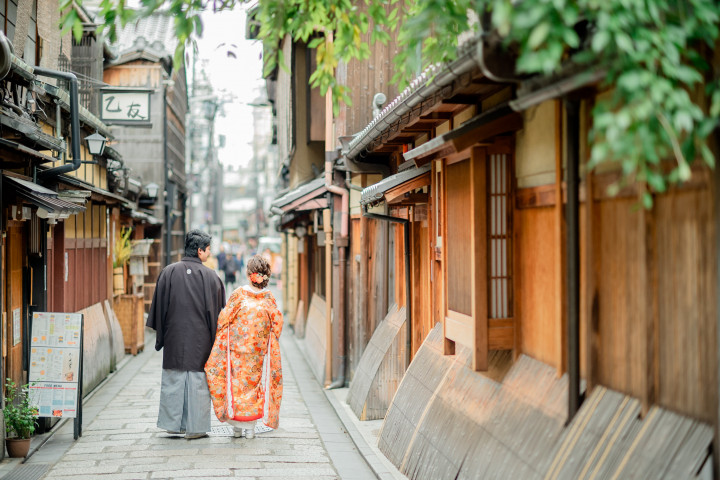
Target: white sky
(239, 80)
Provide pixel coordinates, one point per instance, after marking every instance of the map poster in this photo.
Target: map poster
(55, 357)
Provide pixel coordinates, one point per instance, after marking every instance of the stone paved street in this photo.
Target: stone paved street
(121, 441)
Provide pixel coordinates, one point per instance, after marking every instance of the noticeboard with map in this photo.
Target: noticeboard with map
(55, 356)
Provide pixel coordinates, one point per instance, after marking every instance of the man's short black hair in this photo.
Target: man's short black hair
(195, 239)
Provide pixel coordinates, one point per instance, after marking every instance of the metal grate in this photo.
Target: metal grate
(24, 471)
(221, 431)
(500, 236)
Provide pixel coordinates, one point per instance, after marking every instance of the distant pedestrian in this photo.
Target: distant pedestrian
(222, 258)
(231, 269)
(247, 351)
(187, 300)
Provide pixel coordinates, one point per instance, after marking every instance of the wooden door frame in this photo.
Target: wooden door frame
(470, 330)
(477, 330)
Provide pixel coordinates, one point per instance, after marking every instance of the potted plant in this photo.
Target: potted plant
(121, 255)
(20, 419)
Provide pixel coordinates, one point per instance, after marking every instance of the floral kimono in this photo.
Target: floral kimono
(250, 386)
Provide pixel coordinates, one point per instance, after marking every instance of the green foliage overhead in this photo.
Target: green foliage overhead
(664, 96)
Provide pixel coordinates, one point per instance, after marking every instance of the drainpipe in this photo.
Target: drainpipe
(572, 111)
(408, 310)
(74, 122)
(169, 192)
(351, 186)
(327, 227)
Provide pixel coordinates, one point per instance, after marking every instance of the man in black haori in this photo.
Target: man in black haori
(185, 307)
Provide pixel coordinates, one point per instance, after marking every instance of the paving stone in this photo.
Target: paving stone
(208, 473)
(121, 440)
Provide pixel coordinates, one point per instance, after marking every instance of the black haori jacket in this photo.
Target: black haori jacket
(185, 307)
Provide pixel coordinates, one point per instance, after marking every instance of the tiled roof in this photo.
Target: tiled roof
(427, 84)
(154, 35)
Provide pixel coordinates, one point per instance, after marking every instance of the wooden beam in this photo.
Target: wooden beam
(508, 123)
(480, 128)
(533, 197)
(413, 199)
(437, 116)
(395, 193)
(461, 99)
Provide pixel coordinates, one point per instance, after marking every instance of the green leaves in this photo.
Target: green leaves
(657, 54)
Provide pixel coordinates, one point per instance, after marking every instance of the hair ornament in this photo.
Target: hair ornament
(258, 277)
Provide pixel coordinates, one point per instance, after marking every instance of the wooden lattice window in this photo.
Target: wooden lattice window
(477, 251)
(499, 236)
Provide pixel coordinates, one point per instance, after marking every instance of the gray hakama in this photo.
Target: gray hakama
(184, 402)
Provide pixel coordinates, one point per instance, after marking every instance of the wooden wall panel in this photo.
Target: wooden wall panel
(397, 231)
(377, 275)
(365, 82)
(15, 258)
(687, 304)
(458, 241)
(304, 285)
(535, 287)
(621, 303)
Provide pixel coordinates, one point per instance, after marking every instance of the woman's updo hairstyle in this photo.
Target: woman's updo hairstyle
(258, 271)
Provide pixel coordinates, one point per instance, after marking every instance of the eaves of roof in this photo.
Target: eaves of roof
(314, 187)
(376, 192)
(27, 150)
(75, 182)
(426, 86)
(42, 197)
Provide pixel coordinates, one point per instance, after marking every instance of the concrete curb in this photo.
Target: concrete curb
(361, 433)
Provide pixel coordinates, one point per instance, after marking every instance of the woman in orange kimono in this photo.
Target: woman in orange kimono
(249, 387)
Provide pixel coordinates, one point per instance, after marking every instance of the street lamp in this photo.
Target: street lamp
(95, 143)
(152, 190)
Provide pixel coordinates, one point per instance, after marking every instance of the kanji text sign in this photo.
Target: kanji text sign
(125, 106)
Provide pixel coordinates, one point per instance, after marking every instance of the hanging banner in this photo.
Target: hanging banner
(55, 359)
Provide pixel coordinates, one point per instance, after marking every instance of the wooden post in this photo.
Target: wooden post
(651, 309)
(560, 244)
(715, 192)
(572, 109)
(327, 227)
(478, 182)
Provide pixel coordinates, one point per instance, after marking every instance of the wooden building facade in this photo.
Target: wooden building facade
(154, 151)
(59, 203)
(480, 171)
(488, 280)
